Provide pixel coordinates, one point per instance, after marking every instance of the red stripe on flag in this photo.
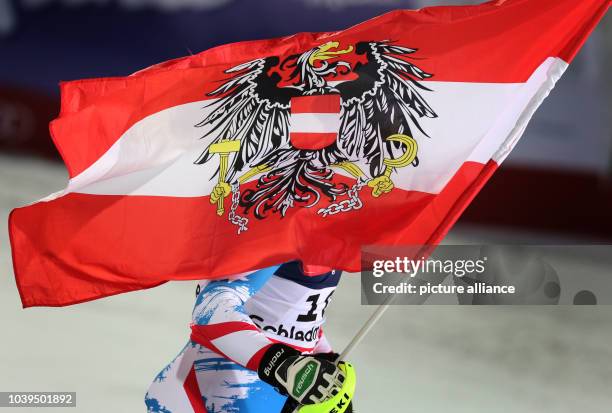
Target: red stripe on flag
(144, 241)
(311, 140)
(316, 104)
(315, 270)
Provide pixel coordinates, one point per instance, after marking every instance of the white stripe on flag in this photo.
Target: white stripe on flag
(315, 123)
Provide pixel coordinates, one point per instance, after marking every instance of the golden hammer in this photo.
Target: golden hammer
(223, 148)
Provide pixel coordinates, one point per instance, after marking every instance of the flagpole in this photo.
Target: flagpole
(365, 329)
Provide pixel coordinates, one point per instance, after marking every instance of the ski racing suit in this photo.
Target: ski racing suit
(234, 322)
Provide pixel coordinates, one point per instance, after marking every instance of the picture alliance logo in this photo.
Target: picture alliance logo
(292, 333)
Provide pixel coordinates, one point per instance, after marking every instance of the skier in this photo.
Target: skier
(257, 346)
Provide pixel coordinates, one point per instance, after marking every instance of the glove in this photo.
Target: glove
(305, 379)
(291, 405)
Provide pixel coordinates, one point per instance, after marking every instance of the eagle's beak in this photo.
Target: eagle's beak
(324, 52)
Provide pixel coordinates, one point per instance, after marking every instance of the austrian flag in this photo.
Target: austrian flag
(306, 147)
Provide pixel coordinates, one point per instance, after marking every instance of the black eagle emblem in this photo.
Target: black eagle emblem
(249, 123)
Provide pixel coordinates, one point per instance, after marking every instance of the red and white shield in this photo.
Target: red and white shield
(315, 121)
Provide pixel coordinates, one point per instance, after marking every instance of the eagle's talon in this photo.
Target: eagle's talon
(381, 185)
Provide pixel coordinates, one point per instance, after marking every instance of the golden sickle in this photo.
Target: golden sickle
(407, 157)
(223, 148)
